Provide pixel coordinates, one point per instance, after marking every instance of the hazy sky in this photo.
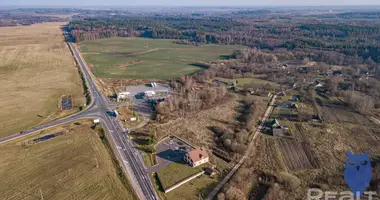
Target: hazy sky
(188, 2)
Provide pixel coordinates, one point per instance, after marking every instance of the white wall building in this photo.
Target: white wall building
(196, 157)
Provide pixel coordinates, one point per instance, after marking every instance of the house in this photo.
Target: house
(281, 94)
(295, 98)
(303, 69)
(284, 66)
(319, 85)
(337, 73)
(274, 123)
(196, 157)
(292, 105)
(277, 131)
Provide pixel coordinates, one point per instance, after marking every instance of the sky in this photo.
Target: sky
(186, 2)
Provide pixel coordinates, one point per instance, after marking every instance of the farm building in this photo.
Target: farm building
(278, 131)
(196, 157)
(209, 171)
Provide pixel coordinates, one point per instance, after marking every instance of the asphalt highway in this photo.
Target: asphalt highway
(128, 156)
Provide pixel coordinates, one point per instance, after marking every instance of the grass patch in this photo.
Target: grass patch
(176, 172)
(198, 187)
(143, 58)
(149, 159)
(36, 69)
(74, 165)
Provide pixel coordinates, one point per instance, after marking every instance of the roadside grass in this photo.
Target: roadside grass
(36, 69)
(74, 165)
(142, 58)
(125, 115)
(149, 159)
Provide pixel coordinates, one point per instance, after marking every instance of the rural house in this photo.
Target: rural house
(196, 157)
(295, 98)
(303, 69)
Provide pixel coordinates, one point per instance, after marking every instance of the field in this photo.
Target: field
(198, 187)
(36, 69)
(175, 172)
(297, 155)
(75, 164)
(141, 58)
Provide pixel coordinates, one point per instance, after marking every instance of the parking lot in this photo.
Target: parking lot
(169, 150)
(159, 88)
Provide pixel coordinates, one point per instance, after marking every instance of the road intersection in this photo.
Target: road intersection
(128, 156)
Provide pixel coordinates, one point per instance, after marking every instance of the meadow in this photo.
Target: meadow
(75, 164)
(142, 58)
(36, 69)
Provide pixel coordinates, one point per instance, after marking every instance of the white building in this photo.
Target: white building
(196, 157)
(149, 93)
(123, 95)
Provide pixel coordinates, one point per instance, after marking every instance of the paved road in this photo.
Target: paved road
(128, 156)
(247, 154)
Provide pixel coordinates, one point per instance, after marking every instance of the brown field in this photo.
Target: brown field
(36, 69)
(297, 155)
(73, 165)
(337, 114)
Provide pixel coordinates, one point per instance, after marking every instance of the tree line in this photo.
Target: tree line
(353, 40)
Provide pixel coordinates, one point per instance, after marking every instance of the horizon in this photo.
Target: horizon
(182, 3)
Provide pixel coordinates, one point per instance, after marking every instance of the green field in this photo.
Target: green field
(177, 172)
(142, 58)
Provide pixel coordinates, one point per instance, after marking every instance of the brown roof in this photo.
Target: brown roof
(197, 155)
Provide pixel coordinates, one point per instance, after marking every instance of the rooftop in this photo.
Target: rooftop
(197, 154)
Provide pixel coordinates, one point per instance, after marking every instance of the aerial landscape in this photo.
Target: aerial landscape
(178, 100)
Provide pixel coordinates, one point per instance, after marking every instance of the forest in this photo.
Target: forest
(259, 29)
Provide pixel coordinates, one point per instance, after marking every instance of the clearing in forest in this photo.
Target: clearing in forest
(142, 58)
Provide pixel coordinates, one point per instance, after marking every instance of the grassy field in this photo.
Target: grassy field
(36, 69)
(198, 187)
(141, 58)
(176, 172)
(74, 165)
(241, 82)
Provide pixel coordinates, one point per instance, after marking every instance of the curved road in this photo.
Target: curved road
(128, 156)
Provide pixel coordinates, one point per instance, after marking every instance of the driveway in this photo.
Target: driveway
(168, 151)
